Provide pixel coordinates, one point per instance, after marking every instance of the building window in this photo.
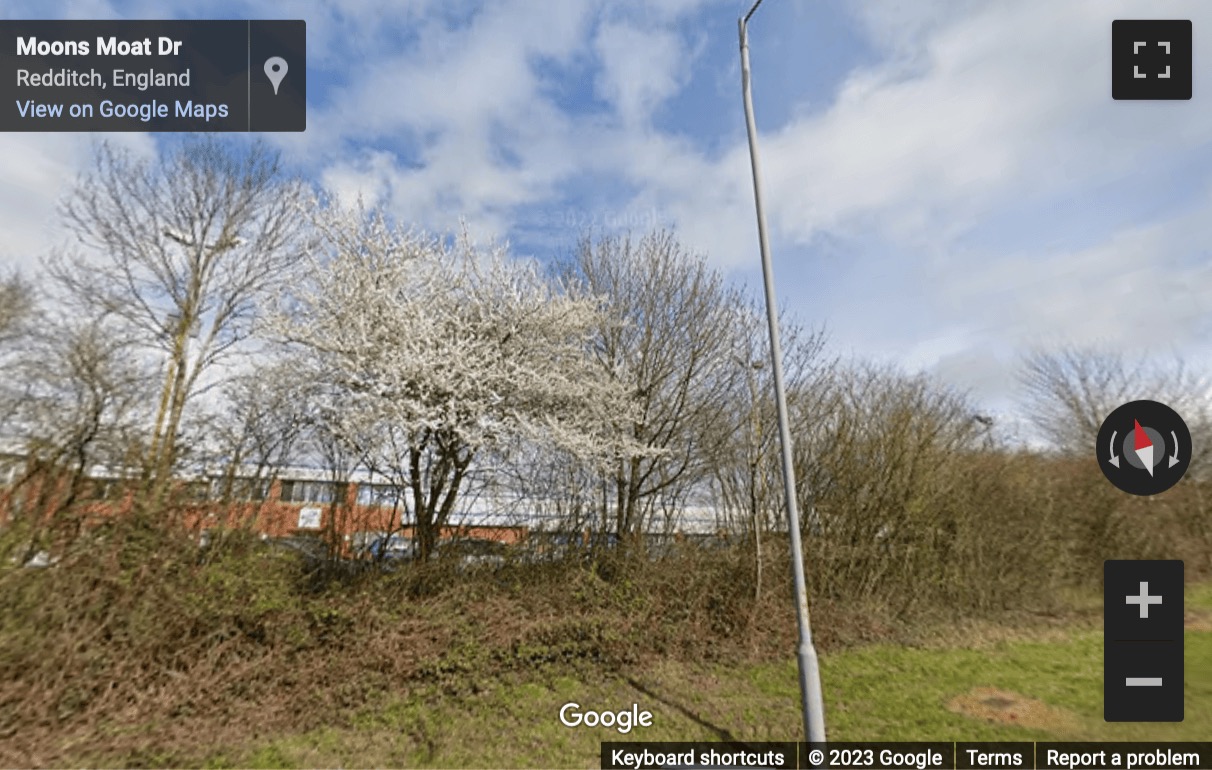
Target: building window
(196, 491)
(102, 489)
(383, 495)
(311, 491)
(246, 489)
(10, 466)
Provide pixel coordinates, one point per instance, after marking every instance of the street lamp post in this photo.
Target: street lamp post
(812, 702)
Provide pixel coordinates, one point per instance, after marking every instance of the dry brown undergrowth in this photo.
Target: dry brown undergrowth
(145, 651)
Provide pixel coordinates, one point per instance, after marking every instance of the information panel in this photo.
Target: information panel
(153, 75)
(936, 755)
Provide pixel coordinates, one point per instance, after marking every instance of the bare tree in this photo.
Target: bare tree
(557, 489)
(1068, 393)
(180, 251)
(17, 303)
(17, 312)
(434, 350)
(263, 424)
(77, 399)
(667, 340)
(875, 471)
(748, 471)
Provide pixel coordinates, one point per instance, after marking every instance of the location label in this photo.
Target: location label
(153, 75)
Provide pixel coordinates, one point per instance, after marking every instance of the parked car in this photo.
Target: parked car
(312, 550)
(40, 560)
(558, 546)
(474, 552)
(391, 549)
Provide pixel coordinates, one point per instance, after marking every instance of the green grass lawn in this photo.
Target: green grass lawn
(877, 693)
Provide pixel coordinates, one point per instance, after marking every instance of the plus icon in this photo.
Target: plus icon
(1144, 600)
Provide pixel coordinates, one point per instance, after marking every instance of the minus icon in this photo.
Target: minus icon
(1144, 681)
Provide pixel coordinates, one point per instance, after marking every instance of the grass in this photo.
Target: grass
(879, 692)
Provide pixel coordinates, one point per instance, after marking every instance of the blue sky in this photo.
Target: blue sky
(949, 183)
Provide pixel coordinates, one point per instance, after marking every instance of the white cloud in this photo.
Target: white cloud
(1140, 288)
(641, 68)
(39, 169)
(457, 78)
(984, 109)
(477, 107)
(976, 108)
(362, 178)
(471, 102)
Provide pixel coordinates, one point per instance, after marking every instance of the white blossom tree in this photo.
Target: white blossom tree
(432, 351)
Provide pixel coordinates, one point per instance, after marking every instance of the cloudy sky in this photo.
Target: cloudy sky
(948, 183)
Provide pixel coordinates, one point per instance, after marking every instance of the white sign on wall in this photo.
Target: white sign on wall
(309, 518)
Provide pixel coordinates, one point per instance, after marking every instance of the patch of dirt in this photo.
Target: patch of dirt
(1009, 708)
(1199, 620)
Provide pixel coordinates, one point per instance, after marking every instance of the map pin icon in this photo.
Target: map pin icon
(275, 69)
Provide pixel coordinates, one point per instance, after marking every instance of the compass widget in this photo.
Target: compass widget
(1144, 447)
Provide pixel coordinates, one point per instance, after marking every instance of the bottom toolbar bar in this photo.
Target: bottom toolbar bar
(909, 756)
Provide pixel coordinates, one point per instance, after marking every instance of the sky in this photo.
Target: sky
(948, 184)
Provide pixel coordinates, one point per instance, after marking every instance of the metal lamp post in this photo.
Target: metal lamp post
(812, 702)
